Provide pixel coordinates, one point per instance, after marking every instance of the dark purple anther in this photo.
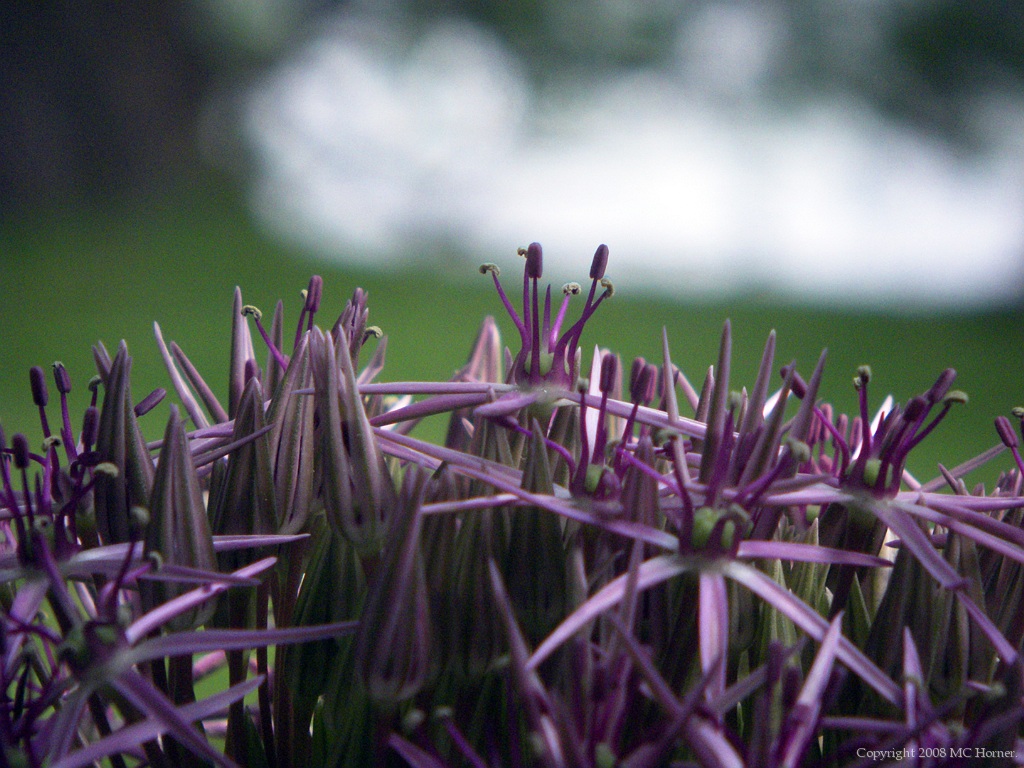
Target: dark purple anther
(61, 378)
(19, 447)
(1006, 433)
(150, 401)
(799, 385)
(600, 262)
(634, 377)
(941, 386)
(314, 293)
(534, 261)
(90, 426)
(609, 370)
(916, 408)
(649, 383)
(37, 380)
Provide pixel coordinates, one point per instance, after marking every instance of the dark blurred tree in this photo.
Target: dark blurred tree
(955, 55)
(96, 98)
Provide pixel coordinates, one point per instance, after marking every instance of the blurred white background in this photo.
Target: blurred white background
(709, 165)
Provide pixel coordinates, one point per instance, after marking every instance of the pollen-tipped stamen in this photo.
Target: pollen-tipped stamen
(63, 382)
(40, 395)
(257, 316)
(1009, 439)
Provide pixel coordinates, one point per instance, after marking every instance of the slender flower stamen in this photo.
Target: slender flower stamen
(257, 316)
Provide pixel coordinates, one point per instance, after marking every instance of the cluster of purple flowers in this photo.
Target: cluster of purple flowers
(593, 571)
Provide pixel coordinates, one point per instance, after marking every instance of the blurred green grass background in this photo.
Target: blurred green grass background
(70, 278)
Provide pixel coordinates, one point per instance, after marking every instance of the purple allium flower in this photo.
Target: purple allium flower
(547, 356)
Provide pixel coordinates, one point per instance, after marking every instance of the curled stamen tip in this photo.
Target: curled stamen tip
(534, 261)
(801, 451)
(521, 251)
(1006, 433)
(1018, 412)
(863, 376)
(609, 289)
(140, 516)
(955, 396)
(489, 267)
(249, 309)
(735, 400)
(583, 385)
(107, 468)
(51, 442)
(571, 289)
(95, 382)
(600, 262)
(372, 330)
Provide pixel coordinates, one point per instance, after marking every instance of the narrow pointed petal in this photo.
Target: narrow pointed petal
(292, 441)
(142, 694)
(245, 502)
(713, 630)
(133, 736)
(394, 640)
(811, 622)
(178, 526)
(803, 718)
(188, 400)
(120, 443)
(241, 353)
(651, 572)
